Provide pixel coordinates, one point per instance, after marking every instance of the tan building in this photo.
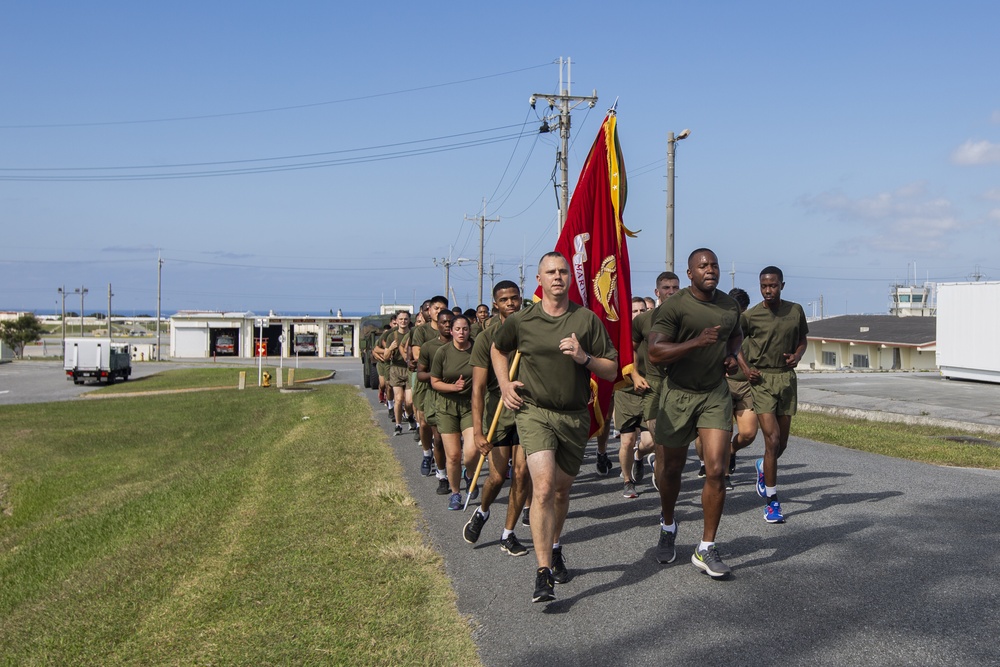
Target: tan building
(872, 342)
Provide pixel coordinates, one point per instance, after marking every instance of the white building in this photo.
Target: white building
(204, 334)
(871, 342)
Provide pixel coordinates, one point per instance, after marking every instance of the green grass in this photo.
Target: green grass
(916, 443)
(230, 531)
(194, 378)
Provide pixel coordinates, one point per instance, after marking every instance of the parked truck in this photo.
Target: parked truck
(97, 358)
(968, 317)
(304, 343)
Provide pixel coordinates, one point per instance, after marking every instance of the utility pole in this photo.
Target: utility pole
(447, 264)
(671, 149)
(62, 293)
(109, 309)
(566, 103)
(482, 220)
(732, 275)
(159, 284)
(520, 268)
(492, 277)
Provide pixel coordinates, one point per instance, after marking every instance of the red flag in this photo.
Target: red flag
(593, 241)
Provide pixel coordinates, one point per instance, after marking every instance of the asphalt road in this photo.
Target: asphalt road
(880, 562)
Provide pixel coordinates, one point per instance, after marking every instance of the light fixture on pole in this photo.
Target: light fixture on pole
(82, 291)
(671, 148)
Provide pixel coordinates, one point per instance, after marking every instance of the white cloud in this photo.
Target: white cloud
(993, 194)
(907, 219)
(976, 152)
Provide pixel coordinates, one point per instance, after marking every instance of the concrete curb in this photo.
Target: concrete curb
(892, 417)
(132, 394)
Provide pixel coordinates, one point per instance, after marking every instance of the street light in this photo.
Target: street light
(671, 148)
(82, 291)
(62, 293)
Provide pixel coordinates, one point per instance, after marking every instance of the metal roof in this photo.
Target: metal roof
(889, 329)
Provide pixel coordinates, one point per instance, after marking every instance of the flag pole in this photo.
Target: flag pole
(489, 436)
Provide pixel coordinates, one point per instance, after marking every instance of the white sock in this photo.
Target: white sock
(556, 545)
(672, 528)
(485, 515)
(506, 534)
(391, 404)
(703, 545)
(428, 453)
(441, 474)
(771, 491)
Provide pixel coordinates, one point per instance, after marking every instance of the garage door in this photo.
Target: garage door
(190, 342)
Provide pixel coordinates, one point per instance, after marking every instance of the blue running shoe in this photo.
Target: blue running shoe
(455, 502)
(772, 513)
(761, 491)
(425, 465)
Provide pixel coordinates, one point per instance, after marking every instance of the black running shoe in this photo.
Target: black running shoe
(665, 551)
(545, 588)
(701, 470)
(603, 463)
(444, 488)
(729, 483)
(398, 430)
(512, 546)
(473, 492)
(732, 463)
(526, 517)
(559, 572)
(638, 469)
(413, 423)
(474, 527)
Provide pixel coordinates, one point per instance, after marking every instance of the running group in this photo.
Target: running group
(703, 358)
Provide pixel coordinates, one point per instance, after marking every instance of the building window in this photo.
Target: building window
(918, 298)
(829, 358)
(861, 361)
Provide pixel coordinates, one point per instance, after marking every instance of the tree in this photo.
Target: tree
(18, 333)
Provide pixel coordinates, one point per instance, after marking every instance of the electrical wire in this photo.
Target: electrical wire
(273, 109)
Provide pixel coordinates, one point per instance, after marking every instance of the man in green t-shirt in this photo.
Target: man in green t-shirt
(647, 377)
(561, 343)
(775, 342)
(424, 361)
(696, 336)
(505, 445)
(429, 443)
(391, 345)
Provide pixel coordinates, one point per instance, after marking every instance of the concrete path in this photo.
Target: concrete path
(881, 562)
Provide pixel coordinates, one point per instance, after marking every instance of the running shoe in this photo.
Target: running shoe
(603, 463)
(729, 484)
(701, 470)
(443, 487)
(455, 502)
(425, 465)
(638, 468)
(526, 517)
(772, 512)
(759, 465)
(665, 551)
(398, 430)
(559, 572)
(651, 461)
(710, 561)
(510, 468)
(474, 527)
(413, 423)
(512, 546)
(416, 436)
(630, 491)
(545, 586)
(473, 492)
(732, 463)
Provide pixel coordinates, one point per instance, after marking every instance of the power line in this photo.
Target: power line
(273, 109)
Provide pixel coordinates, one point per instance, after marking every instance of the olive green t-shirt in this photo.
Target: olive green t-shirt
(423, 333)
(449, 364)
(683, 317)
(427, 351)
(396, 358)
(640, 336)
(552, 380)
(771, 335)
(481, 358)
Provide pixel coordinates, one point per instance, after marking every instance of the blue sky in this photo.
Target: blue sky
(845, 142)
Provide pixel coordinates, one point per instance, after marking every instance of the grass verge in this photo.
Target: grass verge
(193, 378)
(928, 444)
(230, 531)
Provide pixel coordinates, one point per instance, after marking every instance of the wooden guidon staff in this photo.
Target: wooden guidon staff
(489, 436)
